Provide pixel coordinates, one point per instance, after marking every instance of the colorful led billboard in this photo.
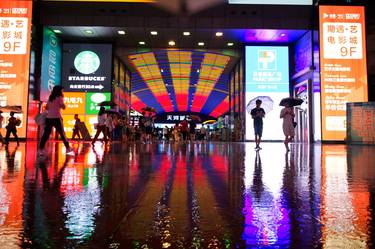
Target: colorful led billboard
(87, 67)
(15, 27)
(342, 65)
(180, 81)
(267, 74)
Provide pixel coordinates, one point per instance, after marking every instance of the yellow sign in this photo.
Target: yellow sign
(75, 103)
(69, 122)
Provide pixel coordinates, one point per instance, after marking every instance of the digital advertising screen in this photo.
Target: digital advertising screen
(51, 63)
(342, 65)
(15, 29)
(267, 74)
(87, 67)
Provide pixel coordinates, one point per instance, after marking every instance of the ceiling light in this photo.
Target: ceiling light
(89, 31)
(186, 33)
(230, 44)
(282, 34)
(161, 70)
(57, 31)
(219, 33)
(200, 43)
(121, 32)
(154, 32)
(171, 43)
(141, 43)
(198, 71)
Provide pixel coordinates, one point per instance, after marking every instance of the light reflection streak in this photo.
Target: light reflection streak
(339, 215)
(266, 218)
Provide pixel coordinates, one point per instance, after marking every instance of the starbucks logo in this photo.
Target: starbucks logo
(87, 62)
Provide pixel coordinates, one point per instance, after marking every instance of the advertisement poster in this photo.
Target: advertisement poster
(87, 67)
(267, 74)
(75, 103)
(15, 26)
(51, 63)
(342, 65)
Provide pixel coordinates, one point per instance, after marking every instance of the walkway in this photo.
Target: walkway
(212, 195)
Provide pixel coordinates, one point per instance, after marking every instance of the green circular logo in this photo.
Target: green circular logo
(87, 62)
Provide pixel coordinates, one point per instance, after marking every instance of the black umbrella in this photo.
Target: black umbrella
(291, 101)
(107, 103)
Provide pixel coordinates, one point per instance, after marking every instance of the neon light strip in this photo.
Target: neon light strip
(180, 65)
(212, 67)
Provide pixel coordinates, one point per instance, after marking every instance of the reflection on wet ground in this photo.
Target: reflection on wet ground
(212, 195)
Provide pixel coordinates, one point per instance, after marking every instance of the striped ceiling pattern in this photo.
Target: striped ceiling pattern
(180, 81)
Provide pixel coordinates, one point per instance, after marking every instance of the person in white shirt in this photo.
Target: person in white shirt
(101, 126)
(54, 119)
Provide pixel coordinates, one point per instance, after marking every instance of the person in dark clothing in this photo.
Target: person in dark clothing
(192, 127)
(12, 128)
(76, 129)
(258, 114)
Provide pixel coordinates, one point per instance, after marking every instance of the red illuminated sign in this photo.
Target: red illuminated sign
(15, 26)
(343, 65)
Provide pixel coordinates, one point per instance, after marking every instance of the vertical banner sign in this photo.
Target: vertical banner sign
(51, 63)
(267, 75)
(15, 26)
(342, 65)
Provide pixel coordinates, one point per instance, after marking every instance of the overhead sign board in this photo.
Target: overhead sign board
(87, 67)
(342, 65)
(15, 26)
(272, 2)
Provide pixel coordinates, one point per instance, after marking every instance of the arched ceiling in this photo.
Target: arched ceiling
(180, 81)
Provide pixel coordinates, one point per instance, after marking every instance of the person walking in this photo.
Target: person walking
(101, 127)
(192, 127)
(258, 114)
(54, 119)
(11, 128)
(184, 129)
(75, 128)
(1, 126)
(287, 115)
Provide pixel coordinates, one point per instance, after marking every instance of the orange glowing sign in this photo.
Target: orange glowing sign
(75, 103)
(342, 65)
(15, 27)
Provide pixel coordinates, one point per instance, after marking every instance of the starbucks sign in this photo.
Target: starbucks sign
(87, 62)
(87, 67)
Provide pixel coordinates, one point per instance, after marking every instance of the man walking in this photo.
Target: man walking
(258, 114)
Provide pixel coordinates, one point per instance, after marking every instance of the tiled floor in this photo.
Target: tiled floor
(212, 195)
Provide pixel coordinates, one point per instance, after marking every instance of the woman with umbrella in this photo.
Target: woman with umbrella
(287, 114)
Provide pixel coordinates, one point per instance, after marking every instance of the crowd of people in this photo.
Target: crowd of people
(113, 127)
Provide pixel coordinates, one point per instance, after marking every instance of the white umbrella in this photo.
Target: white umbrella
(267, 104)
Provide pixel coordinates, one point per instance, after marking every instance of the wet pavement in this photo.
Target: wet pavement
(212, 195)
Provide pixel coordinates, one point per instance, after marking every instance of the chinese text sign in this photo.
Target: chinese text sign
(267, 74)
(342, 65)
(15, 26)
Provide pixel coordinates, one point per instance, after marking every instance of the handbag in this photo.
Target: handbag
(40, 118)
